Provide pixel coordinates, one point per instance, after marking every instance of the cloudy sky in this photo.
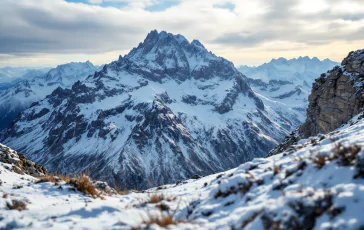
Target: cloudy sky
(51, 32)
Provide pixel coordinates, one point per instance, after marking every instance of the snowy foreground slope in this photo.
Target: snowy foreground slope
(316, 184)
(166, 111)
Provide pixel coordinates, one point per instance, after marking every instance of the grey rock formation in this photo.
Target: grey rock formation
(336, 96)
(19, 163)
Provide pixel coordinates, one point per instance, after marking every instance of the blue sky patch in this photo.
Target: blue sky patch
(104, 4)
(158, 7)
(227, 5)
(163, 5)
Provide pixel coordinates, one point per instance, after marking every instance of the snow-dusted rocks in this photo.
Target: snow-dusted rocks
(20, 96)
(19, 164)
(317, 184)
(164, 112)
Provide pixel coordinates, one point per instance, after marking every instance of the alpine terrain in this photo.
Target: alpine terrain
(19, 97)
(336, 97)
(317, 184)
(286, 84)
(166, 111)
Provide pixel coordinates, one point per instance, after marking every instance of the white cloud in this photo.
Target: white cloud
(61, 29)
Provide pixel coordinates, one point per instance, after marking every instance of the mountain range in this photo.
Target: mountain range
(286, 84)
(171, 113)
(166, 111)
(314, 182)
(18, 97)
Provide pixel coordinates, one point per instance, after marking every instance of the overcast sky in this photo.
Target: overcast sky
(51, 32)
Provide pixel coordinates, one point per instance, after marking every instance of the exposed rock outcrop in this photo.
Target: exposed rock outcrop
(336, 96)
(20, 164)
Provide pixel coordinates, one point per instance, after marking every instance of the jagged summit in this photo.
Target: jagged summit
(166, 111)
(166, 55)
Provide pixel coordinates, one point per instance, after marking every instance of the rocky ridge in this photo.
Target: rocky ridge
(166, 111)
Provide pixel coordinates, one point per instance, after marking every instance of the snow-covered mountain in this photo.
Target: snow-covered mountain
(286, 84)
(297, 70)
(19, 97)
(165, 111)
(11, 74)
(316, 184)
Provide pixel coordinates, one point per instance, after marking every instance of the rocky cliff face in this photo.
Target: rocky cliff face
(336, 97)
(164, 112)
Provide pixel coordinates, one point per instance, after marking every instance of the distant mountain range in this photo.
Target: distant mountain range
(286, 84)
(18, 97)
(9, 76)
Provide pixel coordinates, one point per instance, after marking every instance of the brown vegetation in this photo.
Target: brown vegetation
(16, 205)
(81, 182)
(162, 221)
(156, 198)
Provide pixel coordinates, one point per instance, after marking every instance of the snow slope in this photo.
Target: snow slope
(292, 190)
(167, 110)
(19, 97)
(286, 84)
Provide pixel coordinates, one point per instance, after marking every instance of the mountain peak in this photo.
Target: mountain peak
(165, 54)
(197, 43)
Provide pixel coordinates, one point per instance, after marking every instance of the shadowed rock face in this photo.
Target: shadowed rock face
(168, 110)
(336, 96)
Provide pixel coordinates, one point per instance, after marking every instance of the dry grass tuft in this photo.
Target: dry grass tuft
(319, 160)
(346, 154)
(82, 183)
(54, 178)
(156, 198)
(162, 221)
(276, 170)
(16, 205)
(121, 191)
